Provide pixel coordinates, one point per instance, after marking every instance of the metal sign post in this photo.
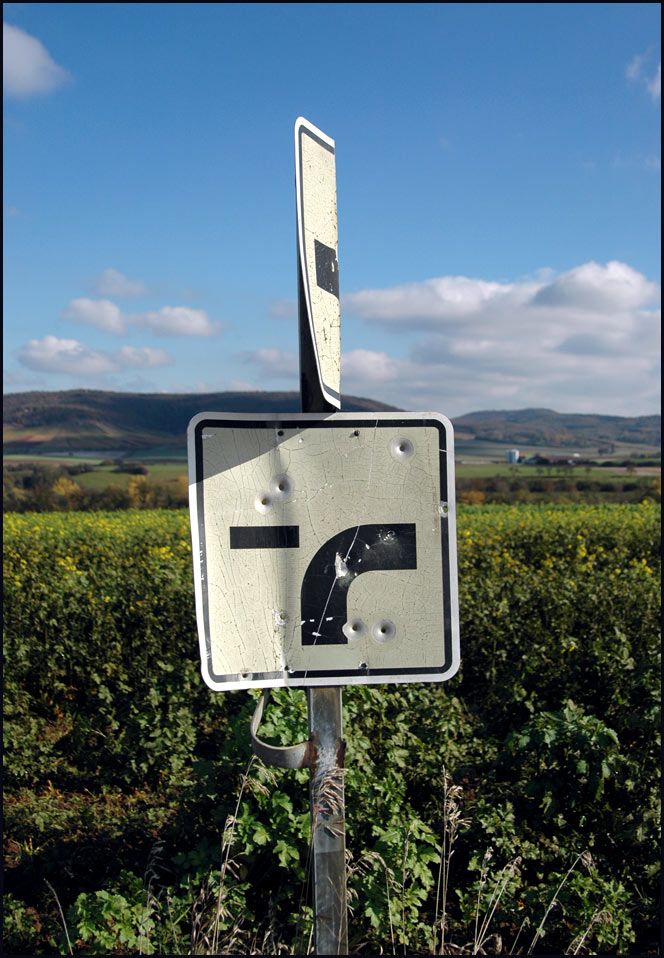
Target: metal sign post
(324, 544)
(320, 391)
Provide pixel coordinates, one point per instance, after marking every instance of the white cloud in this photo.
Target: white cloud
(54, 355)
(635, 65)
(369, 366)
(452, 303)
(586, 340)
(113, 283)
(427, 303)
(100, 313)
(168, 321)
(565, 383)
(273, 362)
(587, 344)
(68, 356)
(144, 356)
(178, 321)
(610, 288)
(637, 72)
(27, 67)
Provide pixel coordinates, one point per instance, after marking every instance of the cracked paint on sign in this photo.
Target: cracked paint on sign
(346, 508)
(316, 192)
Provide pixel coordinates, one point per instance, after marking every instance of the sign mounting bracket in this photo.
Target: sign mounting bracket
(288, 756)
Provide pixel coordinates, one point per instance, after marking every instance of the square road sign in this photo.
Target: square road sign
(324, 548)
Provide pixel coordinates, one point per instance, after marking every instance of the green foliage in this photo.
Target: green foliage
(123, 484)
(24, 929)
(511, 484)
(127, 785)
(46, 487)
(112, 917)
(565, 755)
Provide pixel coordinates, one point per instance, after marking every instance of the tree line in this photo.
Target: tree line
(50, 487)
(36, 487)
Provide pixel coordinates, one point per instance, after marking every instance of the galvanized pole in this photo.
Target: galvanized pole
(328, 825)
(320, 353)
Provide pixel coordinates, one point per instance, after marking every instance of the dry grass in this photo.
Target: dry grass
(214, 930)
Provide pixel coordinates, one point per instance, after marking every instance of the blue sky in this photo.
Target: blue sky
(498, 174)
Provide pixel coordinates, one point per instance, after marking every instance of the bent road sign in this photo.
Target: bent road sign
(316, 200)
(324, 548)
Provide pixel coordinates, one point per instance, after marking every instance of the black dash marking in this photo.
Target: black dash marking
(265, 537)
(327, 268)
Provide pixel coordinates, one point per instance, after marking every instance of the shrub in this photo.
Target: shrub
(114, 748)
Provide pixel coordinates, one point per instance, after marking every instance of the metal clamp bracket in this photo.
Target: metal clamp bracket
(304, 755)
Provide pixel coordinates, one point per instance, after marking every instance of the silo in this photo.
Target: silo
(512, 456)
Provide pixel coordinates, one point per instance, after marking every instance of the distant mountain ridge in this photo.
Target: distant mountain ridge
(547, 427)
(94, 419)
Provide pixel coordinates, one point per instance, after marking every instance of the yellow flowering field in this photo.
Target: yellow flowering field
(121, 764)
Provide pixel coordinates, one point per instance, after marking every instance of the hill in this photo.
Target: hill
(82, 419)
(536, 427)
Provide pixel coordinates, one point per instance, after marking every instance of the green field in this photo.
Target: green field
(104, 476)
(127, 782)
(101, 476)
(46, 458)
(466, 469)
(477, 448)
(168, 470)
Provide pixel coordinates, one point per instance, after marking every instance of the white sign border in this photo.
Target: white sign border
(449, 553)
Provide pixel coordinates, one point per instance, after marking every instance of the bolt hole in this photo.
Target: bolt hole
(280, 432)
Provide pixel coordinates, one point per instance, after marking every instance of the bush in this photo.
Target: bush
(123, 770)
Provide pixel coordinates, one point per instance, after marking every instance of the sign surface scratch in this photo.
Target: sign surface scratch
(326, 557)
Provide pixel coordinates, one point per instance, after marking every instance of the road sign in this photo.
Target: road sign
(318, 268)
(325, 548)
